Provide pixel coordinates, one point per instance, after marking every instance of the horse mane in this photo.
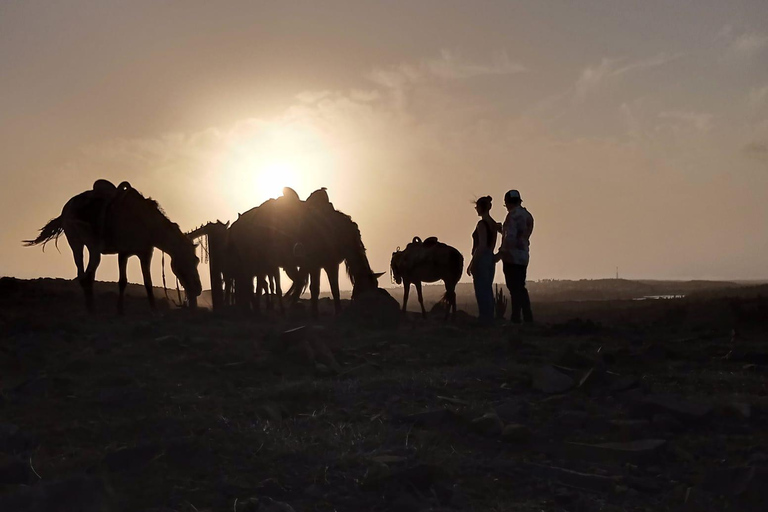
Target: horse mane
(155, 207)
(349, 240)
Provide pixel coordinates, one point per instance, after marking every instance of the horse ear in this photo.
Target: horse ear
(377, 275)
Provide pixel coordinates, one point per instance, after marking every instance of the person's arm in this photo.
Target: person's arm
(482, 242)
(505, 240)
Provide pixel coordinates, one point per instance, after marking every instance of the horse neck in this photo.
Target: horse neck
(167, 236)
(357, 261)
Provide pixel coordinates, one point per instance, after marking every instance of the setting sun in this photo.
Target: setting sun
(269, 180)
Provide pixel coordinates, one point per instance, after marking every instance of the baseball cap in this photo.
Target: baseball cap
(512, 194)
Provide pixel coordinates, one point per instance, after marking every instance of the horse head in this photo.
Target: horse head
(394, 266)
(367, 282)
(184, 263)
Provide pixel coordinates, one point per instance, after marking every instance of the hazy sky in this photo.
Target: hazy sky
(637, 132)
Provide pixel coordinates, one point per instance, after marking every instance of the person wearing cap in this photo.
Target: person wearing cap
(514, 254)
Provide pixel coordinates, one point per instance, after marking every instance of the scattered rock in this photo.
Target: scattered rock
(639, 451)
(631, 428)
(131, 459)
(270, 412)
(678, 407)
(667, 423)
(571, 358)
(573, 419)
(548, 380)
(488, 424)
(81, 494)
(13, 471)
(516, 433)
(744, 486)
(623, 383)
(294, 335)
(430, 419)
(375, 309)
(735, 409)
(510, 410)
(262, 504)
(597, 483)
(13, 440)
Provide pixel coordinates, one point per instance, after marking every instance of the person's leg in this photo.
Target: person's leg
(511, 278)
(525, 303)
(483, 282)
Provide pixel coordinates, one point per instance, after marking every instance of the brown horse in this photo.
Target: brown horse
(328, 238)
(119, 220)
(259, 243)
(428, 261)
(302, 238)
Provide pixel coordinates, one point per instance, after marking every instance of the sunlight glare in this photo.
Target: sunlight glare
(273, 176)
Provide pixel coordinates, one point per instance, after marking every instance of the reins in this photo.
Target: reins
(165, 287)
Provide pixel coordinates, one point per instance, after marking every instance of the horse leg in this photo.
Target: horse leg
(122, 264)
(314, 289)
(333, 279)
(257, 297)
(243, 292)
(421, 299)
(277, 291)
(406, 291)
(145, 260)
(77, 252)
(450, 292)
(89, 276)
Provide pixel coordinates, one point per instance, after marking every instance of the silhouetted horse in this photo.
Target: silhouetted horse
(259, 243)
(119, 220)
(328, 238)
(428, 261)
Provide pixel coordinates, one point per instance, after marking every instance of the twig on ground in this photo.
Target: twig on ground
(33, 469)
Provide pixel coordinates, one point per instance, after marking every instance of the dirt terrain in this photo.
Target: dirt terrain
(616, 405)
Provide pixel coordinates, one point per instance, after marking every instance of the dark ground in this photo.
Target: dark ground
(612, 405)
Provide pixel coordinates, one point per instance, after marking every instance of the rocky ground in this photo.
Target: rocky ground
(622, 405)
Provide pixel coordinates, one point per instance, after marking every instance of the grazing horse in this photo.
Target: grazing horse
(329, 238)
(259, 243)
(428, 261)
(119, 220)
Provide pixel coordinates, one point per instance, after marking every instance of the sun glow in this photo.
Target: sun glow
(270, 179)
(263, 158)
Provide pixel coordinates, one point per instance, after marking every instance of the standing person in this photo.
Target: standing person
(482, 266)
(514, 253)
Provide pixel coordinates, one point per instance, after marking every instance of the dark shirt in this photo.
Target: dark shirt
(490, 236)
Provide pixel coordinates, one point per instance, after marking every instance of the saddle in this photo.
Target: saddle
(419, 252)
(104, 197)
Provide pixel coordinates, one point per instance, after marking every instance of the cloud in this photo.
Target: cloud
(748, 44)
(700, 121)
(742, 45)
(756, 150)
(758, 96)
(449, 66)
(593, 77)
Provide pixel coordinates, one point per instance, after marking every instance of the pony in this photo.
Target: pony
(119, 220)
(428, 261)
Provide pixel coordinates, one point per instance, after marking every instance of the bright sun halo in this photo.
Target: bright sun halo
(273, 176)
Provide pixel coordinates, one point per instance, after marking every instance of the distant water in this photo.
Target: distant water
(656, 297)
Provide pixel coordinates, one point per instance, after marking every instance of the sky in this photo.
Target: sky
(636, 132)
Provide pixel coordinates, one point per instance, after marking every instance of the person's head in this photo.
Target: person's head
(483, 205)
(512, 198)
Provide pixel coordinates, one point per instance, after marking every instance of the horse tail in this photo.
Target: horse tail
(456, 263)
(51, 231)
(299, 285)
(449, 297)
